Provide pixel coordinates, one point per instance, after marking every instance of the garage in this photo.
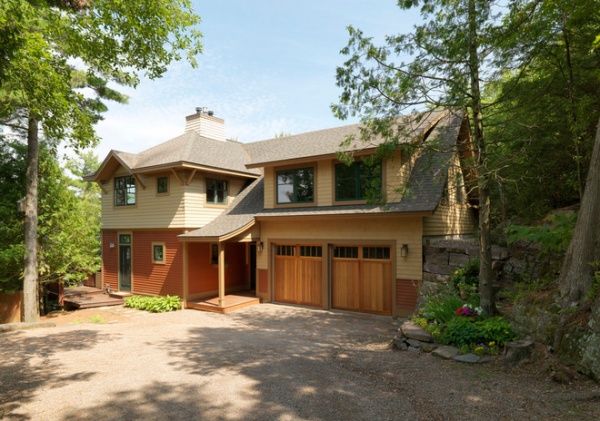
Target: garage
(361, 279)
(298, 274)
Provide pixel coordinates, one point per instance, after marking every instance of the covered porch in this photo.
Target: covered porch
(220, 258)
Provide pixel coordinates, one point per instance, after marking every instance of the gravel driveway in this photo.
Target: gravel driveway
(267, 362)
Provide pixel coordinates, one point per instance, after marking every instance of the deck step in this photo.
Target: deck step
(232, 303)
(121, 294)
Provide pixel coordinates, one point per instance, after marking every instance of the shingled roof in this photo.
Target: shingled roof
(189, 149)
(236, 219)
(425, 186)
(328, 141)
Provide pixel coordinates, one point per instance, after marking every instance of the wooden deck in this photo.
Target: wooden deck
(231, 303)
(89, 297)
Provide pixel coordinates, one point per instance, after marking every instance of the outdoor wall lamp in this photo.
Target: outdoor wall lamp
(111, 245)
(261, 246)
(404, 250)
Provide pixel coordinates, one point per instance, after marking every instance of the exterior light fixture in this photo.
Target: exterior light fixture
(404, 250)
(261, 246)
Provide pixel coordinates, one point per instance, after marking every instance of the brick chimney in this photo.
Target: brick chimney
(205, 124)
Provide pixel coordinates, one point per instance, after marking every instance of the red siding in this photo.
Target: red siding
(110, 260)
(204, 277)
(152, 278)
(263, 281)
(407, 294)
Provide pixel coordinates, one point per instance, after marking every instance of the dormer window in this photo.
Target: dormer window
(358, 181)
(295, 186)
(125, 191)
(216, 192)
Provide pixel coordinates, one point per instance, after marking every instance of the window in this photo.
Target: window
(125, 239)
(379, 253)
(459, 188)
(124, 191)
(345, 252)
(358, 181)
(162, 185)
(158, 253)
(285, 250)
(311, 251)
(216, 192)
(214, 254)
(295, 186)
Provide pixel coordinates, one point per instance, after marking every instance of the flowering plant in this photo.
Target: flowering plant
(468, 310)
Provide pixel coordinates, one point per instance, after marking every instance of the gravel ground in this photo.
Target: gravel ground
(267, 362)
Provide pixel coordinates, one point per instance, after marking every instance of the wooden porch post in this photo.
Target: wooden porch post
(221, 274)
(186, 280)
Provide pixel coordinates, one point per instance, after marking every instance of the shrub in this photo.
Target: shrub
(442, 308)
(466, 280)
(460, 331)
(154, 304)
(496, 329)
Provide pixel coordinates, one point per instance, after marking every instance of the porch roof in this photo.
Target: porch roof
(235, 220)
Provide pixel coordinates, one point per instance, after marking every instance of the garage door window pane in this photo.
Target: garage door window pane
(345, 252)
(311, 251)
(378, 253)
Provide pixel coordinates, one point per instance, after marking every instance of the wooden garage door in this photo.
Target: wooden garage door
(361, 279)
(298, 274)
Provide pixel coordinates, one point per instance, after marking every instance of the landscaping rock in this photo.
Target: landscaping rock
(399, 344)
(446, 352)
(414, 343)
(467, 358)
(429, 347)
(413, 331)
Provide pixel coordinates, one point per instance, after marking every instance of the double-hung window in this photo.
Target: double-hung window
(295, 186)
(216, 192)
(124, 191)
(358, 181)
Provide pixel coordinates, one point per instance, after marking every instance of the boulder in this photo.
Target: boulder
(413, 331)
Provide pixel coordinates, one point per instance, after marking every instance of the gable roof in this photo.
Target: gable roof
(188, 150)
(328, 142)
(236, 219)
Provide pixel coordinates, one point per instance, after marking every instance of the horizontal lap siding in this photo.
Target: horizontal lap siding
(450, 220)
(157, 279)
(110, 259)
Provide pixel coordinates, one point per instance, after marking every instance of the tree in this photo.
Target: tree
(114, 40)
(543, 130)
(449, 55)
(68, 219)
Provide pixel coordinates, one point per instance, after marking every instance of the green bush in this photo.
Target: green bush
(154, 304)
(465, 280)
(441, 308)
(460, 331)
(496, 329)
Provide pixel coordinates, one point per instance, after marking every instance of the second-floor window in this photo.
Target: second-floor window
(295, 186)
(358, 181)
(162, 185)
(216, 192)
(124, 191)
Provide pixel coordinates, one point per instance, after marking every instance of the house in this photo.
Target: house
(200, 216)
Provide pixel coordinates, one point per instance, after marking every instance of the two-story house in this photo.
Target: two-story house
(200, 216)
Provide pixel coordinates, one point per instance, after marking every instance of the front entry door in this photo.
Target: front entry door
(125, 262)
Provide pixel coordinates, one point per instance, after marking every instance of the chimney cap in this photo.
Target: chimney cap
(203, 110)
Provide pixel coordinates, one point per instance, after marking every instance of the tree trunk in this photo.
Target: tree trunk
(577, 273)
(486, 288)
(30, 279)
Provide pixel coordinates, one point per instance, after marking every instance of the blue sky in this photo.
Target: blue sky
(268, 67)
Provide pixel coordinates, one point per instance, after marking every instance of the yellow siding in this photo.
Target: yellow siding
(269, 183)
(396, 174)
(182, 207)
(397, 230)
(324, 183)
(451, 217)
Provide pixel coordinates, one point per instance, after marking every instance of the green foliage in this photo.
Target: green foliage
(553, 236)
(154, 304)
(441, 308)
(465, 281)
(97, 319)
(460, 331)
(495, 329)
(68, 220)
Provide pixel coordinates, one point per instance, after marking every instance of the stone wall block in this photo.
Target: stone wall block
(438, 269)
(456, 260)
(437, 258)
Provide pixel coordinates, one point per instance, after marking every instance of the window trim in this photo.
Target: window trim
(164, 252)
(277, 171)
(216, 204)
(357, 185)
(125, 205)
(165, 193)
